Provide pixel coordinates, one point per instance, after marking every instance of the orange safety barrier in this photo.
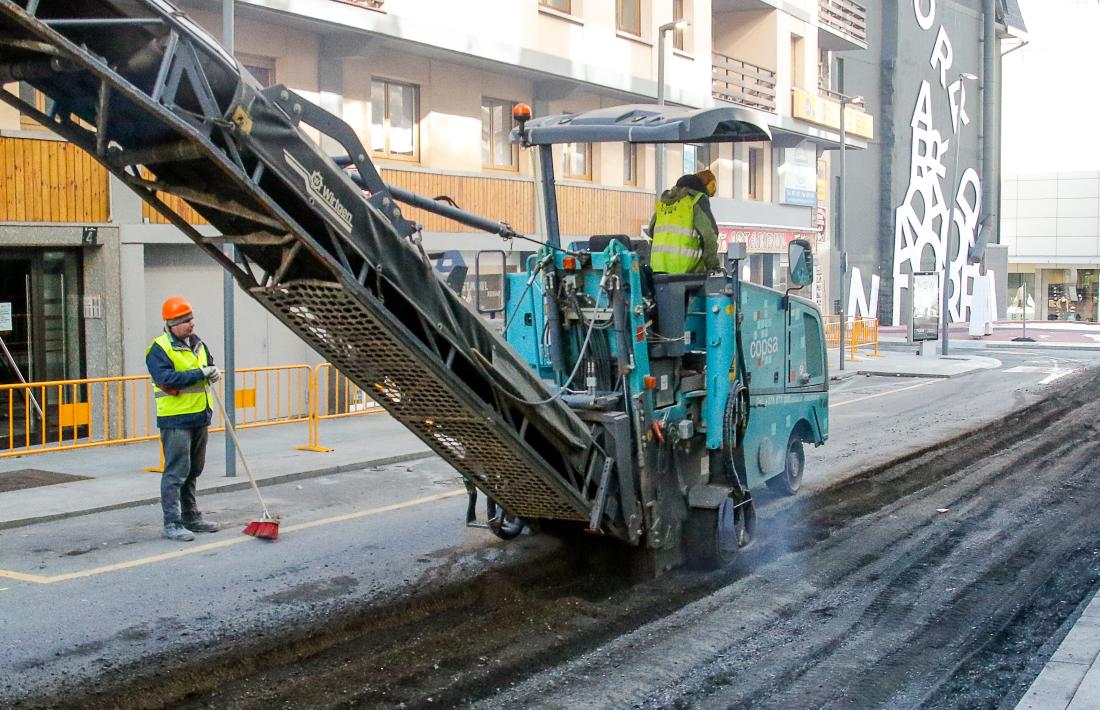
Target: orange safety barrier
(334, 396)
(859, 332)
(75, 414)
(264, 396)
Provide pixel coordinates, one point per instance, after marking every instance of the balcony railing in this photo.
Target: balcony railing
(740, 82)
(844, 16)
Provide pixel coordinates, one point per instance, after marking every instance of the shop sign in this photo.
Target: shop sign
(761, 240)
(5, 318)
(926, 305)
(798, 175)
(826, 112)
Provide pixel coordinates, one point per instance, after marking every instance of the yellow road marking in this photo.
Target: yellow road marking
(880, 394)
(196, 549)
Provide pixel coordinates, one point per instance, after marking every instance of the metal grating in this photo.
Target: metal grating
(482, 448)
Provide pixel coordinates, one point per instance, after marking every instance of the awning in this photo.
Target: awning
(646, 123)
(1008, 14)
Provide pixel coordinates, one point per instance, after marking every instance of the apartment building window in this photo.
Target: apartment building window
(35, 98)
(756, 173)
(630, 163)
(262, 68)
(496, 123)
(678, 36)
(824, 70)
(697, 156)
(798, 76)
(394, 119)
(577, 160)
(629, 16)
(559, 5)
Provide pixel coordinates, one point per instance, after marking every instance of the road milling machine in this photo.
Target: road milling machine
(639, 406)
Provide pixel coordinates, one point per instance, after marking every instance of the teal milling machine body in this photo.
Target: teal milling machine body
(723, 382)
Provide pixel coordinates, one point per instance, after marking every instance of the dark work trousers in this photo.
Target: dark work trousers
(184, 458)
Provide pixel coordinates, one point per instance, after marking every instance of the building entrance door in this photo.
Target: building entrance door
(40, 326)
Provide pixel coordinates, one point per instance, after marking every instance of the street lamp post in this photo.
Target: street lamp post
(945, 317)
(229, 317)
(659, 154)
(842, 256)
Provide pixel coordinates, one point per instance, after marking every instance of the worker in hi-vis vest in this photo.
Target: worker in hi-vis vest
(685, 235)
(181, 368)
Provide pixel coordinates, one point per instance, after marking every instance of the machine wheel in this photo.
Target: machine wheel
(712, 537)
(790, 480)
(504, 526)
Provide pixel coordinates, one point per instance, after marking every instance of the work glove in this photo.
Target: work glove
(211, 374)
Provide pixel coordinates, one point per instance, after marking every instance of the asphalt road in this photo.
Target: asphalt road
(111, 614)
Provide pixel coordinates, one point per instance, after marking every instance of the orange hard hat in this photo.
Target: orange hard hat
(175, 307)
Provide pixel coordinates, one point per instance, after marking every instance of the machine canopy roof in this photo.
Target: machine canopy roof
(646, 123)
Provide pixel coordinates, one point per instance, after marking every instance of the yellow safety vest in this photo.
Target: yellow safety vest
(676, 248)
(191, 399)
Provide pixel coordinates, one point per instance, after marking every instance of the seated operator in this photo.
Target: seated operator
(685, 235)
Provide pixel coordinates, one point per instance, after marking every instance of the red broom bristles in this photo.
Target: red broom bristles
(265, 529)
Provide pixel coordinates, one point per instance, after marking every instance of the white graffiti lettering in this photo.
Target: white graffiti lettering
(925, 19)
(943, 56)
(921, 226)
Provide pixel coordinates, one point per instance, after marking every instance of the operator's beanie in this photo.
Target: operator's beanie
(180, 319)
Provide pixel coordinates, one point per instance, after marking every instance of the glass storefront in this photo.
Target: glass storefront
(1054, 294)
(1070, 294)
(40, 326)
(1021, 296)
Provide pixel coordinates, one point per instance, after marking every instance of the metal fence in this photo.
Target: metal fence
(40, 417)
(859, 333)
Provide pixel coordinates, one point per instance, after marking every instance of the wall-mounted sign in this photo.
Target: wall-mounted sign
(93, 307)
(798, 175)
(826, 112)
(926, 305)
(761, 240)
(5, 318)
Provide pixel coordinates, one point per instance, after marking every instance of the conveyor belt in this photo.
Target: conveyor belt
(155, 100)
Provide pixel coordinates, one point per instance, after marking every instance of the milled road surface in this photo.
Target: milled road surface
(939, 581)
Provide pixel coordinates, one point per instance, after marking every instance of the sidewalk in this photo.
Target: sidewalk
(1068, 335)
(1071, 679)
(116, 477)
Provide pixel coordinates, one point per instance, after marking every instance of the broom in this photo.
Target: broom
(267, 527)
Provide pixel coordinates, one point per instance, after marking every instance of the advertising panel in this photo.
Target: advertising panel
(926, 305)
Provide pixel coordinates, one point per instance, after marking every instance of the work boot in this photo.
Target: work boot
(176, 531)
(198, 525)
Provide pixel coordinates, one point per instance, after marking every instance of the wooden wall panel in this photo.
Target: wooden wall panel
(54, 181)
(179, 205)
(502, 199)
(50, 181)
(593, 210)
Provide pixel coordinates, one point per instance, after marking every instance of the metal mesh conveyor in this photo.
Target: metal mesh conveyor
(155, 100)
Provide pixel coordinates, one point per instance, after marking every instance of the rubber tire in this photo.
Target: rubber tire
(788, 482)
(712, 537)
(506, 527)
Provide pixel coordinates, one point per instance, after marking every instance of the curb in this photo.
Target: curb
(899, 345)
(227, 488)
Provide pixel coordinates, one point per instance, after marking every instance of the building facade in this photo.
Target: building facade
(933, 88)
(428, 86)
(1050, 198)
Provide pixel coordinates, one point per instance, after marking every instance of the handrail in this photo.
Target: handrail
(845, 16)
(102, 411)
(740, 82)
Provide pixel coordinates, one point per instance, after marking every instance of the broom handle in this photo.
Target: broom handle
(240, 452)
